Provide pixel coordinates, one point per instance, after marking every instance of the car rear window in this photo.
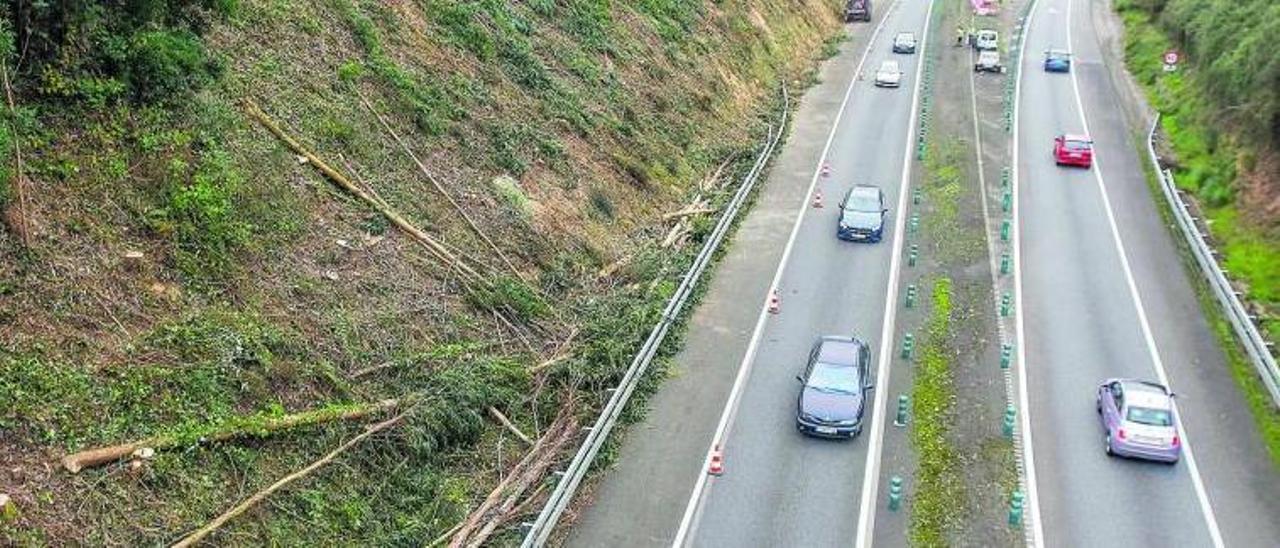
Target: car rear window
(1149, 416)
(1077, 145)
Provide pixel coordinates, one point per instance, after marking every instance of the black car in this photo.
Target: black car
(857, 10)
(834, 387)
(904, 42)
(862, 215)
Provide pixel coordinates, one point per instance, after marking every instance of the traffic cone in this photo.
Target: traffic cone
(775, 303)
(826, 169)
(717, 462)
(817, 199)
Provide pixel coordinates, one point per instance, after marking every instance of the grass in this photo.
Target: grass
(1208, 162)
(938, 500)
(1207, 168)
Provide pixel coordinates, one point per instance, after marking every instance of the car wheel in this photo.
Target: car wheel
(1107, 445)
(1097, 405)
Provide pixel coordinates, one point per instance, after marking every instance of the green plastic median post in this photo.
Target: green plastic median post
(913, 255)
(1015, 509)
(1009, 414)
(1004, 263)
(1006, 201)
(1004, 305)
(895, 493)
(1006, 355)
(908, 343)
(911, 295)
(1004, 230)
(901, 420)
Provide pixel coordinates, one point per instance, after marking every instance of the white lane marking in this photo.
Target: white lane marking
(1011, 393)
(731, 405)
(1024, 402)
(871, 473)
(1201, 495)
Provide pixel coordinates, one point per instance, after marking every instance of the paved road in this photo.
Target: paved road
(1082, 324)
(783, 488)
(641, 501)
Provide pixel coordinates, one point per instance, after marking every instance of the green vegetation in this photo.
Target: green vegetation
(1220, 111)
(1217, 148)
(938, 499)
(188, 273)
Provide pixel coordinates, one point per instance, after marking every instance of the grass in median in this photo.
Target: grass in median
(939, 494)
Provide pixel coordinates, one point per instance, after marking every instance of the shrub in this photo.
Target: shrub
(165, 63)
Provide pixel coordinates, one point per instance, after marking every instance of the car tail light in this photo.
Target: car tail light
(1175, 442)
(1120, 433)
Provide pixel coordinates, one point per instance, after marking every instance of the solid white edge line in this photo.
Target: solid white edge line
(1024, 401)
(730, 407)
(1202, 496)
(871, 472)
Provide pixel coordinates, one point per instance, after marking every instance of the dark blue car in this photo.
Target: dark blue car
(1056, 60)
(862, 215)
(834, 388)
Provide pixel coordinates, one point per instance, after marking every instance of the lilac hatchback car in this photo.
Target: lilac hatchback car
(1138, 419)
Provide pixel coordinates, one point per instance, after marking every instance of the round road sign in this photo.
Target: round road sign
(1171, 57)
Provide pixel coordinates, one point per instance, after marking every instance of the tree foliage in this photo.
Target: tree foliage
(1228, 41)
(102, 51)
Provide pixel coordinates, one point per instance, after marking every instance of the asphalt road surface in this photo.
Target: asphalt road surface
(1105, 295)
(783, 488)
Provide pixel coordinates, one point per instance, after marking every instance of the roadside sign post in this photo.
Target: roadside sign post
(1171, 60)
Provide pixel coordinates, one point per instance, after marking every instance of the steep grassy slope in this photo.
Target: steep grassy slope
(168, 266)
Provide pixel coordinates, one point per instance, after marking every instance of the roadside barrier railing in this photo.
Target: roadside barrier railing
(1250, 337)
(540, 530)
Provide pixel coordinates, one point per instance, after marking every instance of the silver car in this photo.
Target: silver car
(1138, 420)
(904, 42)
(889, 75)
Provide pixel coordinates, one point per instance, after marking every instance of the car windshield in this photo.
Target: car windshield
(834, 378)
(1149, 416)
(904, 37)
(867, 203)
(1058, 55)
(1076, 145)
(889, 66)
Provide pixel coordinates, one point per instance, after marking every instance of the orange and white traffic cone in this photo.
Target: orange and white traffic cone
(775, 303)
(817, 199)
(826, 169)
(717, 462)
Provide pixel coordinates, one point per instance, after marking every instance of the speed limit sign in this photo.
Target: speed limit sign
(1170, 61)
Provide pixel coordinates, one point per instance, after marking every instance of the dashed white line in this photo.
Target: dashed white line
(731, 405)
(1202, 496)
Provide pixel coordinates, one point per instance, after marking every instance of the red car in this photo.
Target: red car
(1073, 150)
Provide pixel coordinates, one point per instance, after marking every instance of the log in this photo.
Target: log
(440, 188)
(198, 534)
(432, 246)
(76, 462)
(504, 421)
(530, 476)
(687, 212)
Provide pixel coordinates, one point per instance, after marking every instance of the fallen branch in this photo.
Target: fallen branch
(434, 247)
(212, 526)
(96, 457)
(687, 212)
(21, 227)
(440, 188)
(558, 356)
(504, 421)
(529, 469)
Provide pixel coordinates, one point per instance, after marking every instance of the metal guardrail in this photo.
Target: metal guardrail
(1245, 329)
(541, 529)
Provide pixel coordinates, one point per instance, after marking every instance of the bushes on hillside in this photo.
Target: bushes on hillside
(104, 51)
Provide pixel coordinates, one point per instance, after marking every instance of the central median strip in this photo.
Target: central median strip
(939, 493)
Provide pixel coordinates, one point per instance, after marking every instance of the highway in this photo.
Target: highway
(1103, 294)
(780, 488)
(787, 489)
